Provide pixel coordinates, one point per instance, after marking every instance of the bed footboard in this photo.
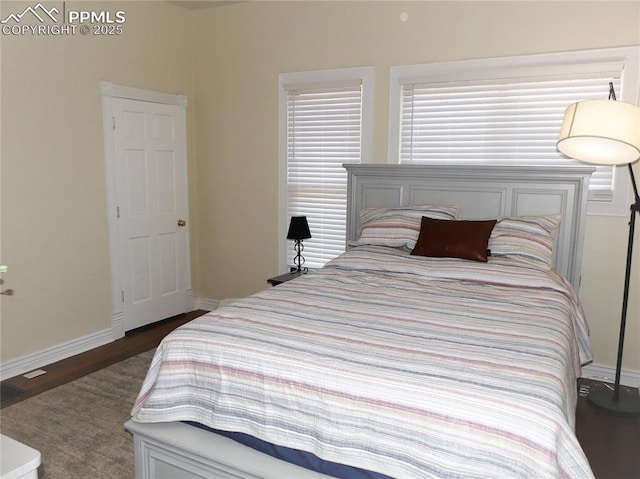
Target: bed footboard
(177, 450)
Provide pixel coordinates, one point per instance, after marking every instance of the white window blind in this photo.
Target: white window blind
(324, 130)
(497, 120)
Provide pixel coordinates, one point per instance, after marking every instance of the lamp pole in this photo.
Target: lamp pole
(625, 404)
(608, 132)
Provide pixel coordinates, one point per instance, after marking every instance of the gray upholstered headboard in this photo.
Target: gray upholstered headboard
(482, 192)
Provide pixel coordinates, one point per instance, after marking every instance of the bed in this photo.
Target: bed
(386, 363)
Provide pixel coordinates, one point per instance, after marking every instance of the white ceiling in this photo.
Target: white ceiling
(199, 4)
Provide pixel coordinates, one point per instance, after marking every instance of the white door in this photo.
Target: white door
(151, 184)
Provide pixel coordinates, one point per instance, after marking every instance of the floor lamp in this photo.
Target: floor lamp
(607, 132)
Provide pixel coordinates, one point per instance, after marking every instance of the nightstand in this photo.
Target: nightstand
(18, 461)
(283, 278)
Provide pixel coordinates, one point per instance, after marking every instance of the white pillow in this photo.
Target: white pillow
(398, 227)
(526, 238)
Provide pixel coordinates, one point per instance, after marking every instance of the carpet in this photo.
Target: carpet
(78, 427)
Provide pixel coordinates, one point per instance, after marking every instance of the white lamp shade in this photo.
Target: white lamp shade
(602, 132)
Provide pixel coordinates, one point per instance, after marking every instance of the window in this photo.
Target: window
(325, 121)
(507, 110)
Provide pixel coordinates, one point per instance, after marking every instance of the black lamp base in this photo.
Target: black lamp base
(628, 403)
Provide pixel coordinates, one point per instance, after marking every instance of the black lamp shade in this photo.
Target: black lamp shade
(298, 228)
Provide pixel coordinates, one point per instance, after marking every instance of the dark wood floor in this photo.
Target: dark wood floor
(611, 443)
(135, 342)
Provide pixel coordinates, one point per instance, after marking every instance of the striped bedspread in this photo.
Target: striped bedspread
(412, 367)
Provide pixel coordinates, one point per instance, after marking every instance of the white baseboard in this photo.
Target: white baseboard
(47, 356)
(205, 304)
(190, 301)
(53, 354)
(598, 372)
(211, 304)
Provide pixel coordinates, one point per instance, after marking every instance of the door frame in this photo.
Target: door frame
(109, 92)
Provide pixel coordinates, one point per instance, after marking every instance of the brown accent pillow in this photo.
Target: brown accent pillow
(454, 239)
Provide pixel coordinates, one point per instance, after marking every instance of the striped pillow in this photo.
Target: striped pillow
(398, 227)
(526, 238)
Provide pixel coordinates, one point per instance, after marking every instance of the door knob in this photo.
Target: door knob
(182, 223)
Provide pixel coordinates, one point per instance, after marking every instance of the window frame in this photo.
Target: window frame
(571, 62)
(363, 74)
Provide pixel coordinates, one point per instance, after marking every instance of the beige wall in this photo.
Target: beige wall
(240, 50)
(54, 223)
(227, 59)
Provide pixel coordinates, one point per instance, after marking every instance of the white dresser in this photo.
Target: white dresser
(17, 461)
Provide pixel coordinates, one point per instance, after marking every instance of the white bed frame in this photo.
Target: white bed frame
(482, 192)
(180, 451)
